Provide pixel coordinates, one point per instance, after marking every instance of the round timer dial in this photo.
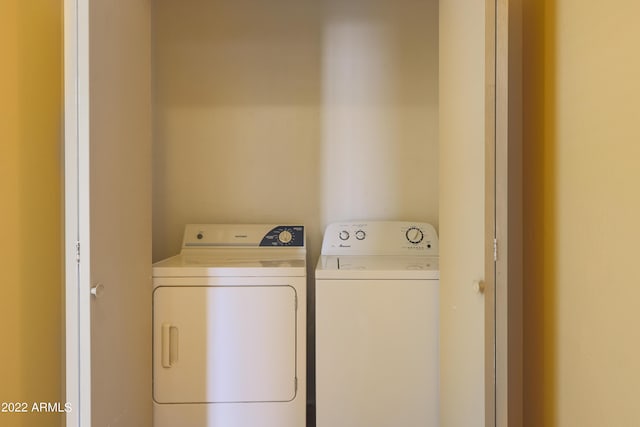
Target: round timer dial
(414, 235)
(285, 237)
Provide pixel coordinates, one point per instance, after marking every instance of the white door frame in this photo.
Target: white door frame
(76, 171)
(490, 215)
(507, 205)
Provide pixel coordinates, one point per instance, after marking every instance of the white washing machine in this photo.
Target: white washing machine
(229, 328)
(377, 317)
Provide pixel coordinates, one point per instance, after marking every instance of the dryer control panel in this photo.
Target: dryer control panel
(284, 235)
(380, 238)
(243, 235)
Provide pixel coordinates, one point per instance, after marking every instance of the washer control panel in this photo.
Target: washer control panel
(380, 238)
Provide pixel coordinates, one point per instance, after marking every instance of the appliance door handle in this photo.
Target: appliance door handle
(169, 345)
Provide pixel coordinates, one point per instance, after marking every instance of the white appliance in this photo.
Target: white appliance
(229, 328)
(377, 291)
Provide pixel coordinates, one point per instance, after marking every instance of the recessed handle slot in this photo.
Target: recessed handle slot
(169, 345)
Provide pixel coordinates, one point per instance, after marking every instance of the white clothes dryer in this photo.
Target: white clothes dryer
(377, 320)
(229, 328)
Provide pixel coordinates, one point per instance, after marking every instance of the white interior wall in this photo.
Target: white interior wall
(289, 111)
(379, 110)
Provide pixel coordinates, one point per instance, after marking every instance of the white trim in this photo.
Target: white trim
(490, 215)
(71, 211)
(77, 274)
(84, 284)
(509, 213)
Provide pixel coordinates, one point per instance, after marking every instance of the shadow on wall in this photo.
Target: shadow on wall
(540, 324)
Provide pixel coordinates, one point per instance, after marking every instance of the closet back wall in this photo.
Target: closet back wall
(299, 111)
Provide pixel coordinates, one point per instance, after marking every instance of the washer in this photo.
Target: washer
(229, 328)
(377, 320)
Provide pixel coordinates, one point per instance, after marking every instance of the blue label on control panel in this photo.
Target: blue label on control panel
(284, 235)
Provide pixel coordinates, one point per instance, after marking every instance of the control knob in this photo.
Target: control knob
(414, 235)
(285, 237)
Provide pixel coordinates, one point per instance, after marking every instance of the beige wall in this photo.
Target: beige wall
(298, 111)
(30, 211)
(582, 115)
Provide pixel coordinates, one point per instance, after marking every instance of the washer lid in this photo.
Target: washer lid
(378, 267)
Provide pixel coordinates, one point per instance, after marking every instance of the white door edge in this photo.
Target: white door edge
(76, 169)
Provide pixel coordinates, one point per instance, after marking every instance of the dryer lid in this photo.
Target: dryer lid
(231, 264)
(240, 250)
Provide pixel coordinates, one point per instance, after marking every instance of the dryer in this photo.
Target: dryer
(229, 328)
(377, 320)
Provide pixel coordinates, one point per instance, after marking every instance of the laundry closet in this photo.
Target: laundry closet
(279, 111)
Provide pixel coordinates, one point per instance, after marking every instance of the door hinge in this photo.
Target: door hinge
(78, 252)
(495, 249)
